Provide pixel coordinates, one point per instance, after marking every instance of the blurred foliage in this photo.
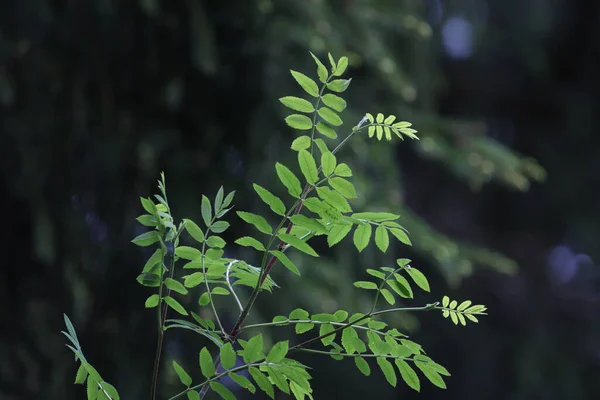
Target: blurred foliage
(98, 97)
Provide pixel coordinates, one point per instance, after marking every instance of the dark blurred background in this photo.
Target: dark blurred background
(500, 195)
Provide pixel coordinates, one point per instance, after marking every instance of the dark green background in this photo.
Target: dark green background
(98, 96)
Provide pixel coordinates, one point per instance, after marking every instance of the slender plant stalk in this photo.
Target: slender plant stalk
(162, 316)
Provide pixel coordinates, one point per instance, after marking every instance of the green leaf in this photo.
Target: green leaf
(340, 315)
(278, 379)
(342, 64)
(301, 143)
(335, 102)
(362, 235)
(188, 253)
(175, 286)
(110, 390)
(184, 377)
(326, 130)
(216, 242)
(401, 236)
(286, 261)
(174, 304)
(408, 374)
(422, 282)
(153, 260)
(220, 291)
(403, 262)
(206, 211)
(328, 163)
(228, 199)
(270, 199)
(337, 233)
(375, 216)
(375, 273)
(298, 313)
(222, 391)
(300, 122)
(193, 395)
(227, 355)
(219, 200)
(362, 366)
(321, 69)
(334, 199)
(262, 381)
(297, 104)
(278, 352)
(445, 301)
(349, 337)
(430, 373)
(149, 280)
(388, 370)
(308, 223)
(343, 186)
(298, 244)
(365, 285)
(151, 301)
(382, 239)
(306, 83)
(248, 241)
(243, 382)
(304, 327)
(259, 222)
(206, 363)
(194, 230)
(401, 286)
(325, 329)
(308, 166)
(147, 220)
(339, 85)
(388, 296)
(330, 116)
(82, 373)
(332, 62)
(289, 180)
(204, 299)
(219, 226)
(343, 170)
(253, 349)
(146, 239)
(321, 145)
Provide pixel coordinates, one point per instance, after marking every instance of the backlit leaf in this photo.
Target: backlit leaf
(300, 122)
(194, 230)
(222, 391)
(343, 170)
(278, 352)
(175, 305)
(330, 116)
(388, 370)
(301, 143)
(326, 130)
(422, 282)
(227, 355)
(184, 377)
(343, 186)
(308, 166)
(321, 69)
(146, 239)
(206, 363)
(362, 366)
(298, 244)
(175, 286)
(342, 64)
(408, 374)
(335, 102)
(270, 199)
(259, 222)
(382, 239)
(306, 83)
(248, 241)
(289, 180)
(362, 235)
(328, 163)
(337, 233)
(297, 104)
(286, 261)
(339, 85)
(206, 210)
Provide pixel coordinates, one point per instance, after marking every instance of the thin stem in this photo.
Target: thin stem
(366, 316)
(364, 355)
(231, 287)
(162, 316)
(308, 321)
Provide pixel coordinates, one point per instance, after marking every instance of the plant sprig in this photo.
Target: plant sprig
(321, 205)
